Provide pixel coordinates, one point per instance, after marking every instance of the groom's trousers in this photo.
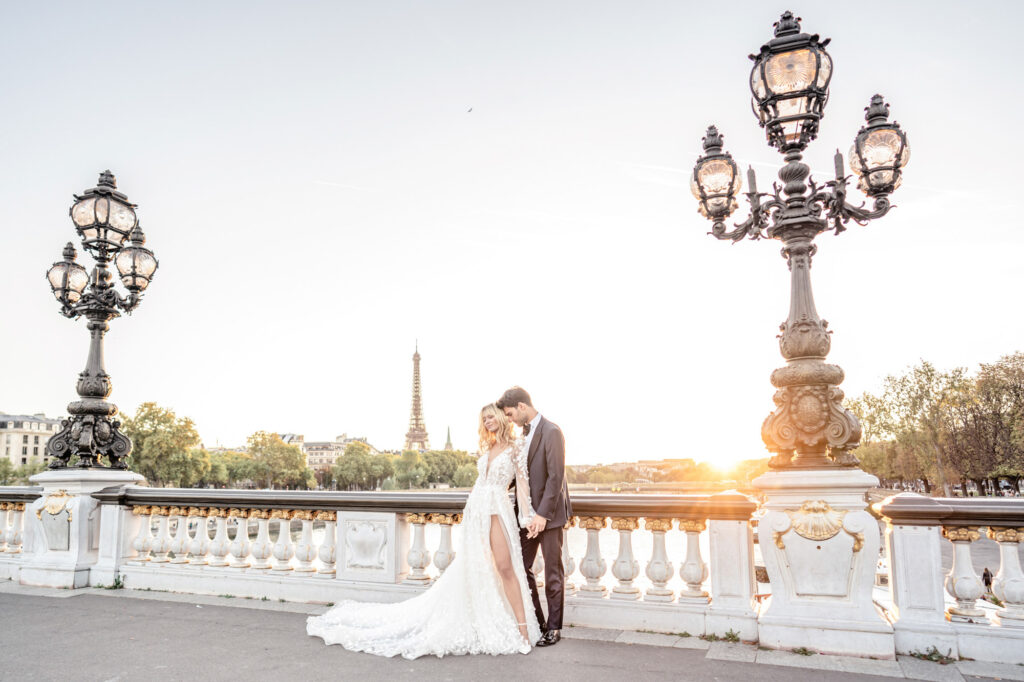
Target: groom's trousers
(549, 542)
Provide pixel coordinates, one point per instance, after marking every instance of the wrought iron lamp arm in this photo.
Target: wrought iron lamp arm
(756, 223)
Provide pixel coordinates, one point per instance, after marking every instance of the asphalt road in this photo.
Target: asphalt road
(90, 637)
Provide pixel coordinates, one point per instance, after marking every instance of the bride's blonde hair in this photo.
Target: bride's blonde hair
(504, 434)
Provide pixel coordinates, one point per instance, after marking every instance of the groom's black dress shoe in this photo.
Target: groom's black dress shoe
(550, 637)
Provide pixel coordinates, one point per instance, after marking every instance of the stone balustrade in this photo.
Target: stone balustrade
(668, 563)
(947, 611)
(13, 500)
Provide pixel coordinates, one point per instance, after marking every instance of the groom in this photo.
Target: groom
(549, 494)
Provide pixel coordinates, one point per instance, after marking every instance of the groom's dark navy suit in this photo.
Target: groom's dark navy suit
(549, 494)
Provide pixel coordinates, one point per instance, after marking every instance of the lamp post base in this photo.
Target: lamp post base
(62, 526)
(820, 548)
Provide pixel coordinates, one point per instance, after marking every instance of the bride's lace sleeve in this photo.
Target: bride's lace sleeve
(526, 512)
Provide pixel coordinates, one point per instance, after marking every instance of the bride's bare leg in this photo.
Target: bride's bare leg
(503, 560)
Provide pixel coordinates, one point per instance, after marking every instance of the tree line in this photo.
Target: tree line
(671, 471)
(167, 450)
(942, 430)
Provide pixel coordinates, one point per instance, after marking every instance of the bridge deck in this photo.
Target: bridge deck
(95, 634)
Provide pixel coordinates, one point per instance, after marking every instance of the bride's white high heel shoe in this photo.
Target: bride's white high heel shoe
(525, 648)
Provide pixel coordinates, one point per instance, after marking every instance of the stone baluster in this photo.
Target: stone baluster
(593, 567)
(4, 513)
(694, 570)
(328, 552)
(143, 542)
(240, 544)
(261, 549)
(199, 546)
(445, 555)
(162, 541)
(568, 563)
(283, 548)
(1008, 584)
(305, 550)
(659, 568)
(220, 545)
(180, 542)
(15, 533)
(962, 583)
(625, 568)
(418, 557)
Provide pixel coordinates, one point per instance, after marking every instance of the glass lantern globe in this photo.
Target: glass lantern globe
(716, 180)
(135, 263)
(67, 278)
(789, 83)
(103, 216)
(879, 152)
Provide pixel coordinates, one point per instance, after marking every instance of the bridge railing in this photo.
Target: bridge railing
(956, 625)
(329, 546)
(668, 563)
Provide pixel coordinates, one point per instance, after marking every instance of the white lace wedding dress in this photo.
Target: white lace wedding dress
(465, 611)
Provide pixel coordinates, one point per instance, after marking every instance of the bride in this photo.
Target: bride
(478, 605)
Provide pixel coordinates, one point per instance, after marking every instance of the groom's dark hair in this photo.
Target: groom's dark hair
(514, 396)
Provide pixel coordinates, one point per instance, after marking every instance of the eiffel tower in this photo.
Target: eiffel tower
(416, 438)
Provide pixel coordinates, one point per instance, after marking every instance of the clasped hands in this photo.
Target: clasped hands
(535, 526)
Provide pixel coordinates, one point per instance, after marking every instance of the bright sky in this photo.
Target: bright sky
(325, 183)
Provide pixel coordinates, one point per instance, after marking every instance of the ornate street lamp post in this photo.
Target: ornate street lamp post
(109, 230)
(810, 428)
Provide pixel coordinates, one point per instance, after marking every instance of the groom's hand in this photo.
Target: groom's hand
(536, 525)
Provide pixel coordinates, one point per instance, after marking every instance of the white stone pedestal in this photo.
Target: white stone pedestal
(820, 547)
(65, 526)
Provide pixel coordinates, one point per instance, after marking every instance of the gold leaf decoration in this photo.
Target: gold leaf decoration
(816, 520)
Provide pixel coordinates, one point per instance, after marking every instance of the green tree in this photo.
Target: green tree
(6, 472)
(218, 473)
(352, 469)
(278, 464)
(465, 476)
(164, 446)
(382, 467)
(913, 410)
(357, 469)
(410, 471)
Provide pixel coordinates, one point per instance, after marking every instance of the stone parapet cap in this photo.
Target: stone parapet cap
(729, 505)
(911, 509)
(19, 493)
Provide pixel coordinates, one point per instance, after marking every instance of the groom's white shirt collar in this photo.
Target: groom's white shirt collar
(533, 429)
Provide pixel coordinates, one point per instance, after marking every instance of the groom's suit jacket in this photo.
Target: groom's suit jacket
(549, 491)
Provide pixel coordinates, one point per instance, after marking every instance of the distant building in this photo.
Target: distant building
(321, 455)
(448, 443)
(23, 437)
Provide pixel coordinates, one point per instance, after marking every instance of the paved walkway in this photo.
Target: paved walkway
(107, 635)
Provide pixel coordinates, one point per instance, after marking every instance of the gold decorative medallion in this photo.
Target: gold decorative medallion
(55, 503)
(416, 518)
(816, 520)
(326, 516)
